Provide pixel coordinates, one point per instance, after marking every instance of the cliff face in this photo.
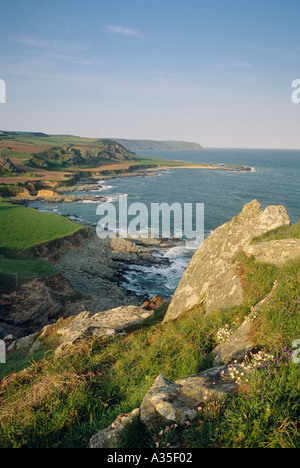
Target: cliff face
(36, 304)
(212, 277)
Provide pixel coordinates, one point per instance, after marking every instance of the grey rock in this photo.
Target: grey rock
(95, 269)
(110, 437)
(109, 323)
(242, 342)
(25, 343)
(237, 347)
(212, 277)
(176, 402)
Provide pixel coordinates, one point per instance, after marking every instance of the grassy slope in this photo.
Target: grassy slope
(63, 401)
(284, 232)
(22, 228)
(26, 268)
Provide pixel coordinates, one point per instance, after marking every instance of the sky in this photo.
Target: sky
(215, 72)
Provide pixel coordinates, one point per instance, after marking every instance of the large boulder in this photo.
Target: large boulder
(177, 402)
(212, 277)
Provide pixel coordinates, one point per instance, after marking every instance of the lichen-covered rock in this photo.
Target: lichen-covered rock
(110, 437)
(237, 347)
(170, 402)
(165, 404)
(241, 343)
(212, 277)
(29, 343)
(109, 323)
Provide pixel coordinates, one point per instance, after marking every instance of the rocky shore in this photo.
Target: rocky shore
(86, 183)
(91, 276)
(98, 268)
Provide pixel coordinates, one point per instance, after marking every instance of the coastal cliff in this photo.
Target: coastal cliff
(212, 277)
(185, 380)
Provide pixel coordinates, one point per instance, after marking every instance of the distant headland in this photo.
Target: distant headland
(153, 145)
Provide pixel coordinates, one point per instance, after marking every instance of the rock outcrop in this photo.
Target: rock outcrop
(109, 323)
(176, 402)
(52, 251)
(113, 322)
(110, 437)
(153, 303)
(52, 196)
(34, 305)
(7, 167)
(99, 267)
(212, 277)
(241, 343)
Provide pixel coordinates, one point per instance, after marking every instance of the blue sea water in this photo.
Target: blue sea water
(274, 180)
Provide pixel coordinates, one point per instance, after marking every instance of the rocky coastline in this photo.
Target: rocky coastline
(94, 266)
(62, 193)
(91, 276)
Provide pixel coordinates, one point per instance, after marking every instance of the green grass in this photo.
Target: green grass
(264, 414)
(63, 401)
(26, 268)
(14, 154)
(22, 228)
(283, 232)
(161, 162)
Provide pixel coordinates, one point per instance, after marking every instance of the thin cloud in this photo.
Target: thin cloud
(231, 65)
(124, 31)
(57, 45)
(56, 51)
(31, 42)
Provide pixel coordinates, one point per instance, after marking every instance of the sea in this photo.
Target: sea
(273, 180)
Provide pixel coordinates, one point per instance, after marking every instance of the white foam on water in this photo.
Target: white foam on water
(90, 201)
(103, 188)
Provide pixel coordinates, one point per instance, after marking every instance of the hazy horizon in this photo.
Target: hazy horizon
(215, 73)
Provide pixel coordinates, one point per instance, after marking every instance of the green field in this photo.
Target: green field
(22, 228)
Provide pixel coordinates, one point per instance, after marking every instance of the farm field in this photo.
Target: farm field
(22, 147)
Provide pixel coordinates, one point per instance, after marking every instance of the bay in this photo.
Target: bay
(273, 180)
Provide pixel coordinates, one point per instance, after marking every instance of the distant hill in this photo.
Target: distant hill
(25, 134)
(7, 168)
(152, 145)
(81, 155)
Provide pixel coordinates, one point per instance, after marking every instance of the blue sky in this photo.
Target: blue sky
(217, 72)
